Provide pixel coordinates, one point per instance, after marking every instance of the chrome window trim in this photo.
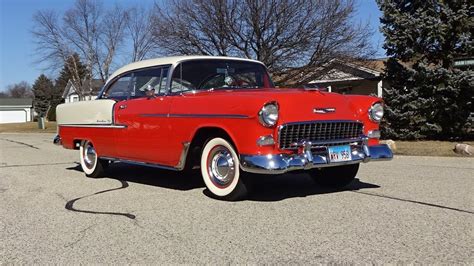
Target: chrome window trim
(110, 83)
(106, 86)
(94, 125)
(177, 63)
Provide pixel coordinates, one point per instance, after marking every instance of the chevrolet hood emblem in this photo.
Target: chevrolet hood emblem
(324, 110)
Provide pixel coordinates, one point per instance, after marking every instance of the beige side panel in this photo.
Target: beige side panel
(97, 112)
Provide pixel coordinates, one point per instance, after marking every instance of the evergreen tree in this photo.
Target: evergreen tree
(42, 89)
(431, 98)
(72, 64)
(403, 117)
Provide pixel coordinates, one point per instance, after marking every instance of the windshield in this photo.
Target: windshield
(219, 74)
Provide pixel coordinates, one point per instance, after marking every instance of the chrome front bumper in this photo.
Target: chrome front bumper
(305, 159)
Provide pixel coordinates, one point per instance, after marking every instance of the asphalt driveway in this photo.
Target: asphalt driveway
(411, 209)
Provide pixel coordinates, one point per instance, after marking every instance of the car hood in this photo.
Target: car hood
(294, 104)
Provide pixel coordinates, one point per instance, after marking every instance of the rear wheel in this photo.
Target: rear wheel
(220, 169)
(335, 177)
(90, 162)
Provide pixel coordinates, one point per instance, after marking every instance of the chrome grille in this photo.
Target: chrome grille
(318, 132)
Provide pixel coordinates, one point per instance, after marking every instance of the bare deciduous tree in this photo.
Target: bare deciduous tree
(292, 37)
(19, 90)
(86, 29)
(111, 37)
(140, 30)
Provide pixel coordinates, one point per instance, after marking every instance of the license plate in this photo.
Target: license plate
(339, 153)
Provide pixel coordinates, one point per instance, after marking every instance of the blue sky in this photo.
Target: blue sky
(17, 50)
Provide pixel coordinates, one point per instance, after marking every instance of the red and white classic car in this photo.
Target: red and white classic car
(224, 115)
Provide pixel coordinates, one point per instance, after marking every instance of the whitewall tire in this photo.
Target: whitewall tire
(220, 169)
(90, 162)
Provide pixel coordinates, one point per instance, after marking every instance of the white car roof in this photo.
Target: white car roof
(172, 60)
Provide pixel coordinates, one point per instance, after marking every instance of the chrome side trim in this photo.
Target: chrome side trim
(153, 115)
(93, 125)
(182, 159)
(282, 163)
(154, 165)
(230, 116)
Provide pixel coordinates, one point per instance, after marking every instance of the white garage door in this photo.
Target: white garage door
(12, 116)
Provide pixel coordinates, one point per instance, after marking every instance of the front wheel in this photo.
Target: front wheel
(90, 163)
(335, 177)
(220, 169)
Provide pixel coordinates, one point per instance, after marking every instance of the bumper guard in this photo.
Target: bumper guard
(305, 159)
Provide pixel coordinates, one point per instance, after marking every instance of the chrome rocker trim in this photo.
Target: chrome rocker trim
(305, 159)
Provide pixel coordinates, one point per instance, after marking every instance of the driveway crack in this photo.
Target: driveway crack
(21, 143)
(82, 234)
(413, 201)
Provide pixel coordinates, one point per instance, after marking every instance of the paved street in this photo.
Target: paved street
(412, 209)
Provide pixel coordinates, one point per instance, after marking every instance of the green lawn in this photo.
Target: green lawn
(427, 148)
(28, 127)
(417, 148)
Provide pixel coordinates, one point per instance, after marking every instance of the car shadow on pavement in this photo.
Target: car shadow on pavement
(281, 187)
(263, 187)
(151, 176)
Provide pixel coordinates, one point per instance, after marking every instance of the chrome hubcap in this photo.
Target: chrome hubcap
(89, 155)
(221, 166)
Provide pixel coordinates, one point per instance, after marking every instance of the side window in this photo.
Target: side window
(178, 81)
(149, 79)
(119, 90)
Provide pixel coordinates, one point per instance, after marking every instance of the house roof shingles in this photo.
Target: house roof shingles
(96, 87)
(16, 102)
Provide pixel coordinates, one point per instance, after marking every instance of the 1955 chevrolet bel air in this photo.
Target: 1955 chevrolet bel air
(224, 115)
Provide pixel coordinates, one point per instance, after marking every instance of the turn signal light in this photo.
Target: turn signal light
(265, 141)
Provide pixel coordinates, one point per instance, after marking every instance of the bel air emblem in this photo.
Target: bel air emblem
(324, 110)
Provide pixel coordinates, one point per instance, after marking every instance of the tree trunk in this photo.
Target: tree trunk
(41, 123)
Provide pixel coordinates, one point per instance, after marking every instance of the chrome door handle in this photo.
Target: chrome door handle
(123, 106)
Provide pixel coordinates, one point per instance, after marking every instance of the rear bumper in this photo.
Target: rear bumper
(304, 160)
(57, 140)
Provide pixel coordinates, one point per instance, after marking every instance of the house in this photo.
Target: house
(16, 110)
(362, 77)
(70, 95)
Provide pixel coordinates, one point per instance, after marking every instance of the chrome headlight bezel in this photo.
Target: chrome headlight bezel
(269, 114)
(376, 112)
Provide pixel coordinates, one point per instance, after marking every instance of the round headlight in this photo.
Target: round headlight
(376, 112)
(268, 115)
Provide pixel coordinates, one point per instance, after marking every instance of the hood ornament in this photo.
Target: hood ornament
(324, 110)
